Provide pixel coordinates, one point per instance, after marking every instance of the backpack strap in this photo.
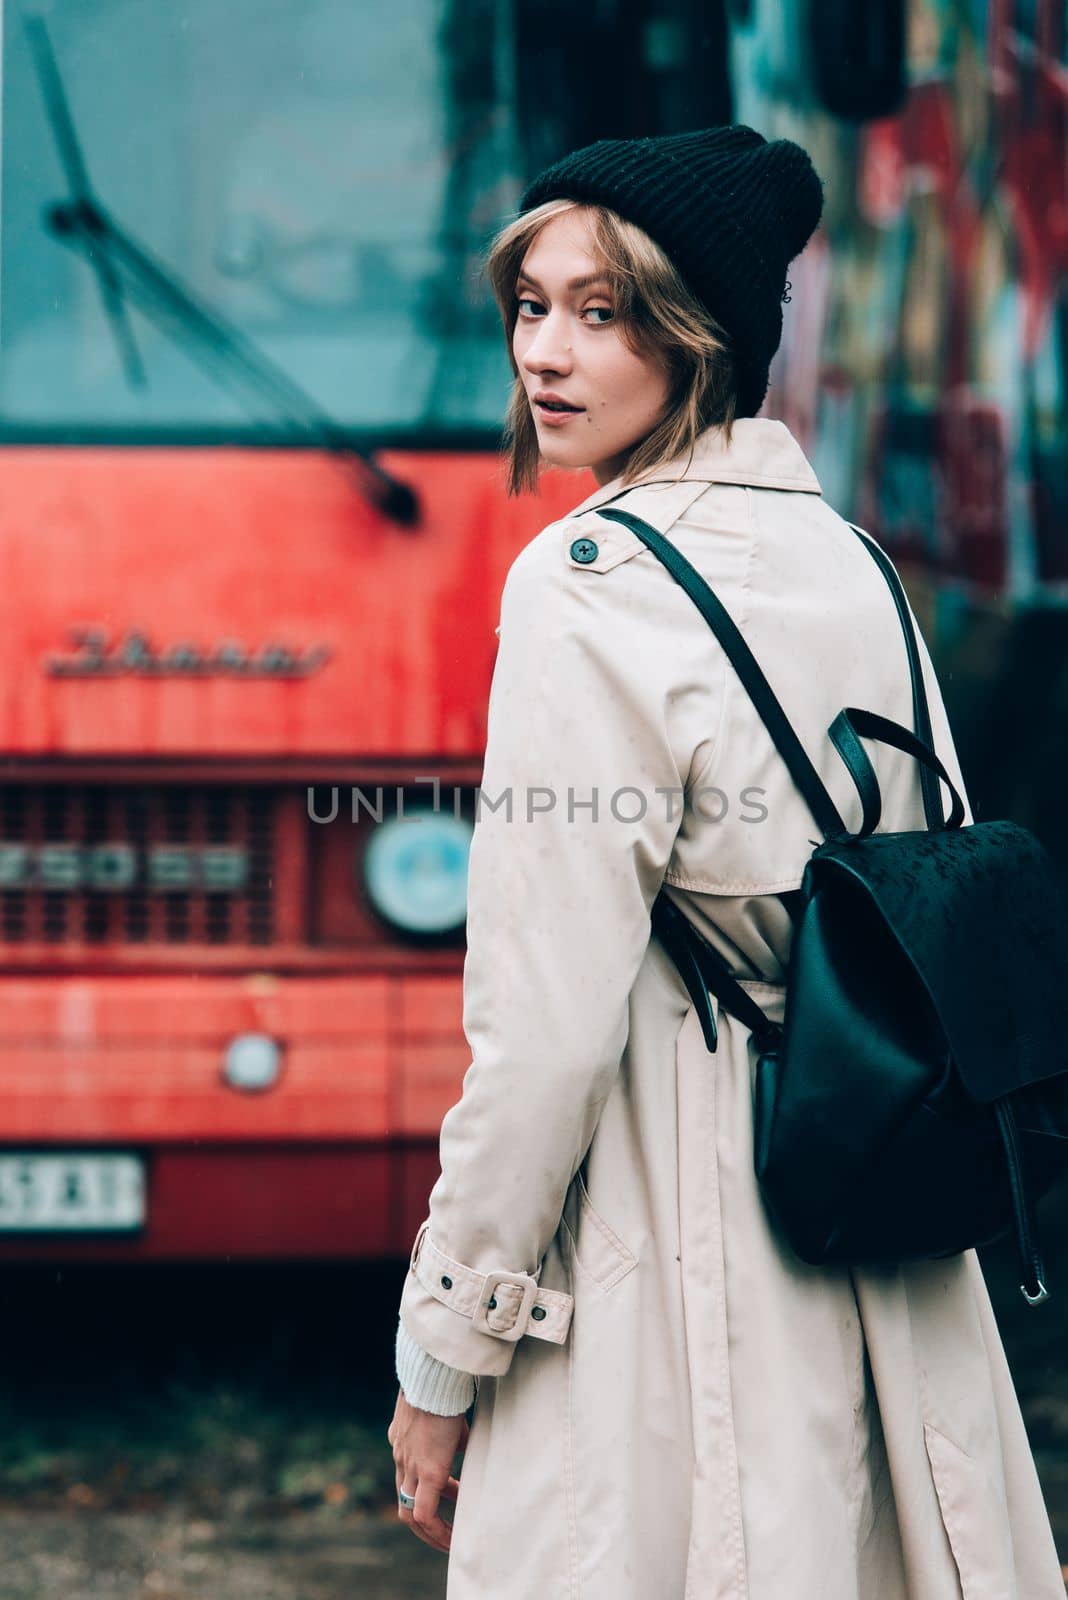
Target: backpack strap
(804, 774)
(853, 720)
(745, 664)
(692, 953)
(921, 715)
(679, 939)
(701, 967)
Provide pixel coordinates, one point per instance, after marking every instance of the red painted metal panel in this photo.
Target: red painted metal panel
(203, 546)
(429, 1006)
(428, 1082)
(101, 1059)
(159, 1011)
(329, 1091)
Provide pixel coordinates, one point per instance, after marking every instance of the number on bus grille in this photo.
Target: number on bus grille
(106, 864)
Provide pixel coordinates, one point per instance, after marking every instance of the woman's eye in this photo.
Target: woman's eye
(524, 300)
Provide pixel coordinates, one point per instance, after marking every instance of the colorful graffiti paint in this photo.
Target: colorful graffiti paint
(924, 361)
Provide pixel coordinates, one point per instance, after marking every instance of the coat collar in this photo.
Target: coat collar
(763, 452)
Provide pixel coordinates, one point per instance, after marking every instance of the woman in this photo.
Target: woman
(669, 1403)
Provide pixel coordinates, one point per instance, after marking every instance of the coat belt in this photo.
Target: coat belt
(506, 1304)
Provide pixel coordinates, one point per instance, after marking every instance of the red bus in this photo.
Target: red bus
(253, 532)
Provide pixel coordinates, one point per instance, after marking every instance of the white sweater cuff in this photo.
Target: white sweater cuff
(427, 1382)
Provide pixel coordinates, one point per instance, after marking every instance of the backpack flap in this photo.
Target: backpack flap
(978, 916)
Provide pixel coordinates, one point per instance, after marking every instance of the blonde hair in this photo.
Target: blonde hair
(657, 317)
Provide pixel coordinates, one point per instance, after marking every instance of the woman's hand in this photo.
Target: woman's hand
(424, 1446)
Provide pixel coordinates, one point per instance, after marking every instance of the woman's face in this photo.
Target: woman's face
(566, 342)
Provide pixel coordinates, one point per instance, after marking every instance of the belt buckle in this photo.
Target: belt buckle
(522, 1281)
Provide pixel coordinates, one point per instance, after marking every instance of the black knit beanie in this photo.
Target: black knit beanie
(730, 210)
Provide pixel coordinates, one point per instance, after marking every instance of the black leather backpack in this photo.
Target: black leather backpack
(913, 1103)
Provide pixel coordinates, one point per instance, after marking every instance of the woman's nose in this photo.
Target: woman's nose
(548, 348)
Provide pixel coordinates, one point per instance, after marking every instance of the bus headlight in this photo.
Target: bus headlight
(415, 871)
(252, 1061)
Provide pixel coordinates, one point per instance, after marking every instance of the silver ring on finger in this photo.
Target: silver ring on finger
(406, 1499)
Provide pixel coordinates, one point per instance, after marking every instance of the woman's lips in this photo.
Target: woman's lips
(552, 417)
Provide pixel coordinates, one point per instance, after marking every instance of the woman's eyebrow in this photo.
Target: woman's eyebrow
(576, 283)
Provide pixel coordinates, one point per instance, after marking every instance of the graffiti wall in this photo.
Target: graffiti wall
(924, 362)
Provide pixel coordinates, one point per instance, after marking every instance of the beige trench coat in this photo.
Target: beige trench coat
(671, 1405)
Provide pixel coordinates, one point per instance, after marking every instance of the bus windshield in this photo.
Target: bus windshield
(324, 174)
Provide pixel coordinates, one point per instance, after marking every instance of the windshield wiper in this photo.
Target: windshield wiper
(123, 266)
(73, 163)
(227, 354)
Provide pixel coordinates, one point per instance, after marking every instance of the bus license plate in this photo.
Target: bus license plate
(71, 1193)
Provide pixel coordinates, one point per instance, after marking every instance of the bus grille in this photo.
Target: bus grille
(137, 865)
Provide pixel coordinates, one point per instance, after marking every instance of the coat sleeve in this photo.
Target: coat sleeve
(587, 757)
